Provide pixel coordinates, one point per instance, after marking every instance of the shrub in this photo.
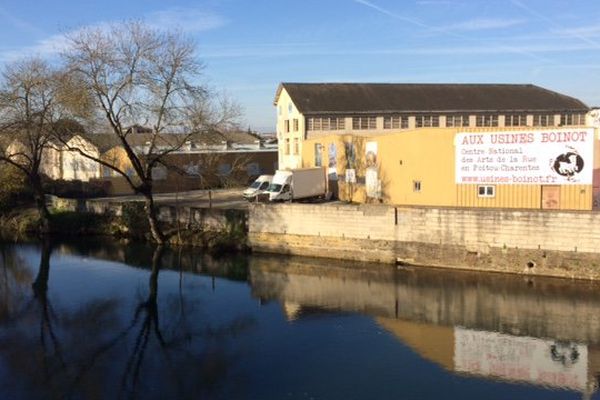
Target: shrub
(76, 223)
(134, 219)
(76, 189)
(15, 192)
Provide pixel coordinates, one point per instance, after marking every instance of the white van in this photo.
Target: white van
(258, 187)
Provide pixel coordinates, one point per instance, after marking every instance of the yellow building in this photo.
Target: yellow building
(509, 146)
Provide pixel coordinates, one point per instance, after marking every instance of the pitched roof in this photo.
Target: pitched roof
(408, 97)
(106, 141)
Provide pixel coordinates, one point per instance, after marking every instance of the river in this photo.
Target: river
(102, 320)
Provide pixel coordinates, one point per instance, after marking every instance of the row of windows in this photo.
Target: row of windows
(427, 121)
(395, 122)
(362, 123)
(433, 120)
(572, 119)
(326, 123)
(454, 121)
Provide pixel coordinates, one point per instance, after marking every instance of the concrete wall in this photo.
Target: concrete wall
(557, 243)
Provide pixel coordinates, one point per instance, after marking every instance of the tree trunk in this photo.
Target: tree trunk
(155, 229)
(40, 202)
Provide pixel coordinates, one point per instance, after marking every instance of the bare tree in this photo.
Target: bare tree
(138, 76)
(30, 99)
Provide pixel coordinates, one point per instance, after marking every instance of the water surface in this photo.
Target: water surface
(109, 321)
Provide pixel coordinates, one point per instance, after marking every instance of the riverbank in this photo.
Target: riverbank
(562, 244)
(215, 231)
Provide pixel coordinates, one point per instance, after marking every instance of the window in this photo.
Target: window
(361, 123)
(427, 121)
(487, 120)
(515, 120)
(325, 123)
(253, 169)
(416, 186)
(457, 121)
(159, 173)
(395, 122)
(486, 191)
(192, 169)
(543, 120)
(286, 149)
(224, 169)
(296, 146)
(286, 125)
(572, 119)
(296, 125)
(290, 108)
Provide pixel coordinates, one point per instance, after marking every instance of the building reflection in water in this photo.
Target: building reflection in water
(539, 331)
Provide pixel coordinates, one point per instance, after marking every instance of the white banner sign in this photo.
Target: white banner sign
(555, 157)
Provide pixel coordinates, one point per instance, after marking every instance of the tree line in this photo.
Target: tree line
(108, 79)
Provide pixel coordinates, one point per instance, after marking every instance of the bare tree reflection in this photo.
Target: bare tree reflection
(147, 312)
(52, 350)
(163, 348)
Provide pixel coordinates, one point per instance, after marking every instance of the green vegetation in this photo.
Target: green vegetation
(15, 191)
(20, 220)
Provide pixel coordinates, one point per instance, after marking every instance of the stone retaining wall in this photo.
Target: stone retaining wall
(557, 243)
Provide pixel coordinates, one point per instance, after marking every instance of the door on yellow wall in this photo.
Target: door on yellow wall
(550, 197)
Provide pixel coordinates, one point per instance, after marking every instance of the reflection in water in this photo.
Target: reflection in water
(74, 353)
(114, 321)
(540, 331)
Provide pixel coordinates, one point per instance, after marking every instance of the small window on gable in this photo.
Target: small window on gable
(486, 191)
(416, 186)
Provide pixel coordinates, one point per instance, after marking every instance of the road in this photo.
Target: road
(221, 198)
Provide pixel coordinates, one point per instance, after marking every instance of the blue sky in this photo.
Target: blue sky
(249, 46)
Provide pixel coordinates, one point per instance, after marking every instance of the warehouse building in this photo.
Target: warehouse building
(463, 145)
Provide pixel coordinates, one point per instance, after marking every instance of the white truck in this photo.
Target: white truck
(258, 187)
(296, 184)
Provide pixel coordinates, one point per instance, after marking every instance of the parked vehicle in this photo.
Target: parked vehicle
(258, 187)
(296, 184)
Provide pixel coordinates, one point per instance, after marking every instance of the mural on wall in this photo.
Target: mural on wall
(318, 155)
(594, 118)
(350, 150)
(332, 164)
(371, 154)
(559, 156)
(350, 175)
(372, 184)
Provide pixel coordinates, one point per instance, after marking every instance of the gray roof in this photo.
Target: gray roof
(107, 141)
(346, 98)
